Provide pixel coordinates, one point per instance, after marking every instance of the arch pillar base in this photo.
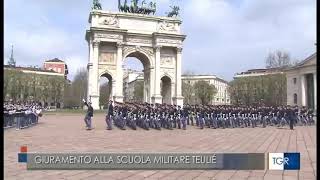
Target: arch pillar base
(178, 100)
(156, 99)
(94, 99)
(118, 99)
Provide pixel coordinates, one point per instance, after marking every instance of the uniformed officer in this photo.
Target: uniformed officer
(109, 116)
(89, 115)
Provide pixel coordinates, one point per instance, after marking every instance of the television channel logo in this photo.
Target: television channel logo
(284, 161)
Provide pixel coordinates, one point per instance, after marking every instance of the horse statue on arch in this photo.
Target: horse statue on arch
(96, 5)
(174, 12)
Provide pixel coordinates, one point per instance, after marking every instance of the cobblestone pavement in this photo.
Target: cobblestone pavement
(66, 133)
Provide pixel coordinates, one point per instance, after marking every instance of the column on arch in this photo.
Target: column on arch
(146, 85)
(113, 89)
(315, 90)
(157, 96)
(303, 90)
(119, 79)
(89, 67)
(94, 77)
(151, 83)
(178, 99)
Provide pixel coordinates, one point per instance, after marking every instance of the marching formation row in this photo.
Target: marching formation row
(157, 116)
(21, 115)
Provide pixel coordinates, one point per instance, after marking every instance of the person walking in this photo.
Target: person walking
(89, 114)
(109, 116)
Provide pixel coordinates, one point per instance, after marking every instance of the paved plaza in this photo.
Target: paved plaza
(66, 133)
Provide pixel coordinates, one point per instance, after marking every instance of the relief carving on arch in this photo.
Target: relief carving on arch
(108, 36)
(110, 21)
(107, 57)
(166, 26)
(139, 40)
(169, 41)
(166, 61)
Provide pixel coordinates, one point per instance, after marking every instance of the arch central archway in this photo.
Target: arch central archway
(132, 79)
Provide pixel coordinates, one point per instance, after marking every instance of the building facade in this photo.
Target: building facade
(259, 72)
(131, 77)
(222, 96)
(56, 65)
(302, 83)
(37, 74)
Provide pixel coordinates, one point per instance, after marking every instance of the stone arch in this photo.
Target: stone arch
(138, 37)
(144, 55)
(168, 75)
(146, 61)
(166, 89)
(111, 87)
(107, 73)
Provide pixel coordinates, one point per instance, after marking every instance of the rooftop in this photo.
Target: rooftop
(28, 68)
(54, 60)
(195, 76)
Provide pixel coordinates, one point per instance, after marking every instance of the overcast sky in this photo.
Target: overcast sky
(223, 36)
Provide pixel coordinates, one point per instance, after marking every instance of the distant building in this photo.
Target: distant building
(130, 78)
(53, 67)
(33, 70)
(56, 65)
(302, 83)
(222, 96)
(259, 72)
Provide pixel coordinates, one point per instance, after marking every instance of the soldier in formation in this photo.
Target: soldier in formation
(158, 116)
(89, 115)
(21, 114)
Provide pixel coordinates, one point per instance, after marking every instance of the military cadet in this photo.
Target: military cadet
(89, 115)
(291, 113)
(109, 115)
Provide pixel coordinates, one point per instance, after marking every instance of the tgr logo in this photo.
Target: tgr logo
(280, 161)
(284, 161)
(276, 161)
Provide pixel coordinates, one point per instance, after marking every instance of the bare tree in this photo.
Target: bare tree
(79, 85)
(105, 90)
(138, 91)
(187, 92)
(278, 59)
(270, 90)
(204, 91)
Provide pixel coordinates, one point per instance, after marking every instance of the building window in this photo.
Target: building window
(294, 80)
(222, 99)
(295, 98)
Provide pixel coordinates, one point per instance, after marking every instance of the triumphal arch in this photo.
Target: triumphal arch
(155, 40)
